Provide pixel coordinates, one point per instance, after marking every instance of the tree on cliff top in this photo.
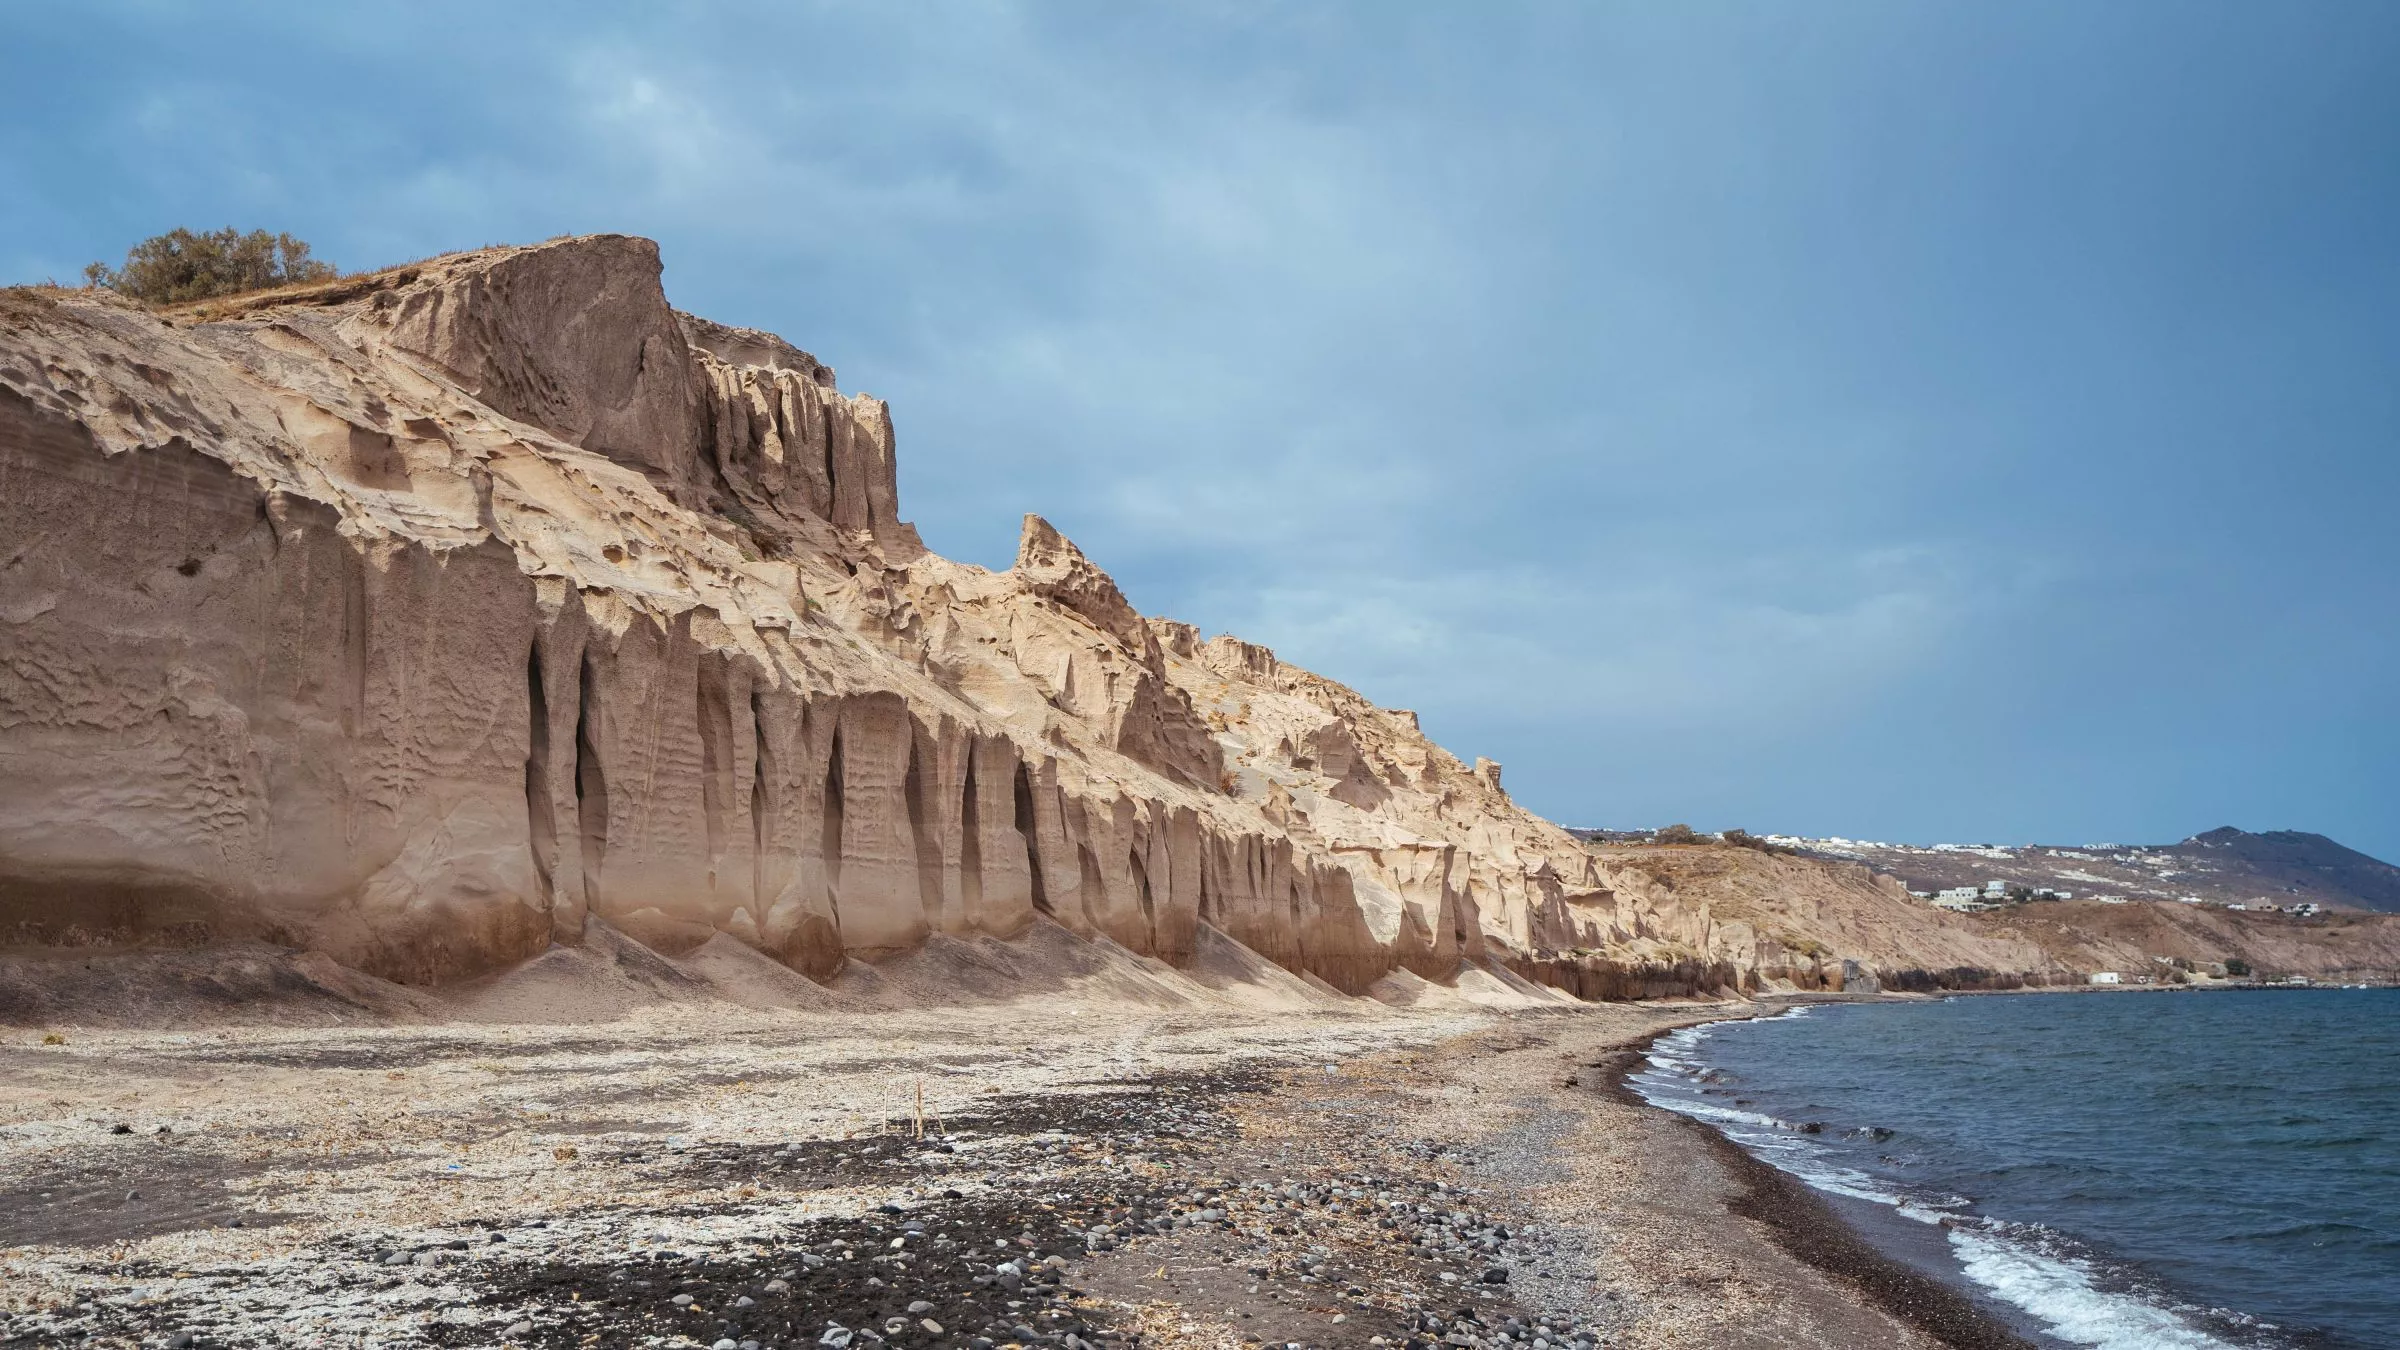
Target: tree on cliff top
(180, 265)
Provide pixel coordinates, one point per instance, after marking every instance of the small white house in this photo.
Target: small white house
(2107, 977)
(1995, 889)
(1961, 898)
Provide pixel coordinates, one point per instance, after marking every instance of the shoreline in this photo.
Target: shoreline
(2107, 1255)
(1805, 1225)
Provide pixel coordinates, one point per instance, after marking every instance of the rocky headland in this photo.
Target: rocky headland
(415, 621)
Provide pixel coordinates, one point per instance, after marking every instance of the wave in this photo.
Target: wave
(2075, 1296)
(2066, 1293)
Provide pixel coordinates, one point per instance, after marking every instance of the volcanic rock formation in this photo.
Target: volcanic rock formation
(414, 618)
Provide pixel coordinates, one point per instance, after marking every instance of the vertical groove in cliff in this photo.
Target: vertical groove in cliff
(762, 805)
(354, 643)
(541, 819)
(970, 844)
(833, 491)
(831, 841)
(1141, 888)
(1094, 890)
(716, 759)
(915, 791)
(1025, 828)
(591, 783)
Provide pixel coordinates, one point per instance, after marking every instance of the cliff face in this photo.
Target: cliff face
(415, 618)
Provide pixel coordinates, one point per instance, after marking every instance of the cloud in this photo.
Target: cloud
(1761, 409)
(1254, 352)
(1723, 648)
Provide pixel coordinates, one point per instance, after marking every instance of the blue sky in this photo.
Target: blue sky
(1907, 421)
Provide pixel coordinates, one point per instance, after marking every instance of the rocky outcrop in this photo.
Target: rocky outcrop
(416, 618)
(575, 339)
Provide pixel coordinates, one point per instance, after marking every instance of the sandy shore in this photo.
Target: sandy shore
(1089, 1175)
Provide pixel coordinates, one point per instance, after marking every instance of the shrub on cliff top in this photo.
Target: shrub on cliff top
(1741, 838)
(180, 265)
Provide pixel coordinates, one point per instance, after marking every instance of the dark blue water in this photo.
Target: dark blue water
(2119, 1170)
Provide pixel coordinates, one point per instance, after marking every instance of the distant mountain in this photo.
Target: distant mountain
(2225, 866)
(2304, 863)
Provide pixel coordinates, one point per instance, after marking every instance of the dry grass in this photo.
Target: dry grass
(340, 290)
(25, 302)
(317, 293)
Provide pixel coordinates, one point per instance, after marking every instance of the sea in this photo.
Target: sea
(2126, 1170)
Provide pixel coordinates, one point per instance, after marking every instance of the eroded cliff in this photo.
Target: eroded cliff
(414, 618)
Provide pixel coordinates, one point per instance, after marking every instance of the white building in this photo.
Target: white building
(1995, 889)
(2107, 977)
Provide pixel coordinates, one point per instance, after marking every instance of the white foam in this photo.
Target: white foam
(2062, 1293)
(2057, 1288)
(1726, 1114)
(1775, 1142)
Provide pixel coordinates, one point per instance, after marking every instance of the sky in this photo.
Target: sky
(1906, 421)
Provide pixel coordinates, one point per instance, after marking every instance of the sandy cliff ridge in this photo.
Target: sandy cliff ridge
(414, 619)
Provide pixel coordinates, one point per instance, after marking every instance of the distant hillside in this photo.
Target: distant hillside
(2304, 864)
(2223, 866)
